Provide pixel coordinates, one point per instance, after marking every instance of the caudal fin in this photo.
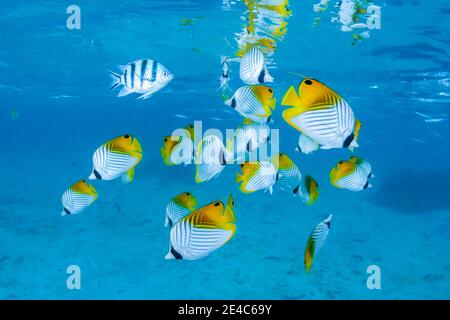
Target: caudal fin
(116, 80)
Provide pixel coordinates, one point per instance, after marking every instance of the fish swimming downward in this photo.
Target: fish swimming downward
(179, 207)
(261, 175)
(309, 190)
(320, 113)
(253, 102)
(316, 240)
(211, 158)
(288, 173)
(352, 175)
(202, 231)
(143, 76)
(117, 158)
(78, 197)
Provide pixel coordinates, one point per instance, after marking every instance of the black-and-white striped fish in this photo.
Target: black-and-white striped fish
(261, 175)
(211, 158)
(78, 197)
(143, 76)
(253, 102)
(116, 158)
(321, 114)
(352, 175)
(202, 231)
(179, 207)
(306, 145)
(253, 69)
(316, 240)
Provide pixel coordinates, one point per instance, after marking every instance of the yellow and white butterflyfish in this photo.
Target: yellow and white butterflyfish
(211, 158)
(202, 231)
(366, 166)
(78, 197)
(250, 136)
(306, 145)
(352, 175)
(253, 69)
(253, 102)
(309, 190)
(316, 240)
(177, 150)
(354, 144)
(320, 113)
(288, 173)
(117, 158)
(261, 175)
(179, 207)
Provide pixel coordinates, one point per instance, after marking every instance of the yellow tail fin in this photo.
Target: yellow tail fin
(129, 176)
(239, 177)
(290, 97)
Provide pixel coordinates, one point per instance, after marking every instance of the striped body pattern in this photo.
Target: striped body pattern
(250, 137)
(352, 175)
(179, 150)
(143, 76)
(329, 126)
(321, 114)
(202, 232)
(306, 145)
(289, 175)
(116, 158)
(253, 69)
(211, 159)
(261, 175)
(253, 102)
(179, 207)
(78, 197)
(316, 240)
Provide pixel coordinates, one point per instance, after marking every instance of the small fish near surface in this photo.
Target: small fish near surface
(144, 77)
(320, 113)
(261, 175)
(78, 197)
(117, 158)
(203, 231)
(352, 175)
(253, 69)
(253, 102)
(179, 207)
(316, 240)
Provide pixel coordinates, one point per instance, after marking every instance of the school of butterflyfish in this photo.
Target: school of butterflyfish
(321, 116)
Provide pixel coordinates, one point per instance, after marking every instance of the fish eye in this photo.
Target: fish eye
(165, 139)
(270, 90)
(84, 181)
(308, 82)
(126, 136)
(165, 74)
(217, 204)
(242, 165)
(188, 194)
(341, 162)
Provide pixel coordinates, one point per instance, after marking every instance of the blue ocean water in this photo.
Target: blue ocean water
(56, 109)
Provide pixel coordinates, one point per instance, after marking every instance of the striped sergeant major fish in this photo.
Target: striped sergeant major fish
(253, 102)
(352, 175)
(320, 113)
(116, 158)
(179, 207)
(78, 197)
(203, 231)
(316, 240)
(144, 76)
